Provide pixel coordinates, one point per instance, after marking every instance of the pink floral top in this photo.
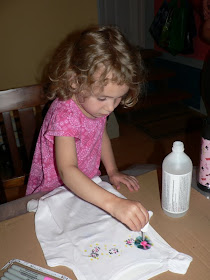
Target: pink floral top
(64, 118)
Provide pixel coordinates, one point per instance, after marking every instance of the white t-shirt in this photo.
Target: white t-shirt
(94, 245)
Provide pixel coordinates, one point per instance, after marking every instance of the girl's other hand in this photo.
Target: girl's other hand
(130, 181)
(131, 213)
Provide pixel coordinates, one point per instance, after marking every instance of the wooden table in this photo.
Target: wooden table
(189, 234)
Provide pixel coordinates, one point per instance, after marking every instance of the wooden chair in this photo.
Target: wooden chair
(21, 115)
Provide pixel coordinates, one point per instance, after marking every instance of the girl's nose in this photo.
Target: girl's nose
(110, 106)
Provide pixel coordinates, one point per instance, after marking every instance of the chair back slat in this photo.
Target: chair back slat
(21, 98)
(22, 111)
(28, 126)
(17, 164)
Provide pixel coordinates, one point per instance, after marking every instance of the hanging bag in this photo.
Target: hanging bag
(178, 28)
(159, 21)
(172, 27)
(165, 34)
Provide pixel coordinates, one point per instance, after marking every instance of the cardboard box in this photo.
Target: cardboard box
(189, 234)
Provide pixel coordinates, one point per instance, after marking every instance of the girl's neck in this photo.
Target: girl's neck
(80, 107)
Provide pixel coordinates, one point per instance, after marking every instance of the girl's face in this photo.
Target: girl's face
(102, 104)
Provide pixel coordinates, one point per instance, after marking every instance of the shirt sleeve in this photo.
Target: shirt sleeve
(62, 122)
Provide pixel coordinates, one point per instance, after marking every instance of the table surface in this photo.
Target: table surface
(189, 234)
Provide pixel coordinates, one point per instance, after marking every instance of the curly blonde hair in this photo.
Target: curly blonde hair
(76, 61)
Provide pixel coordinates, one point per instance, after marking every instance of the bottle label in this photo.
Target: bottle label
(176, 192)
(204, 169)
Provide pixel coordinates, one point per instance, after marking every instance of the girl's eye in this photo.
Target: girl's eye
(101, 98)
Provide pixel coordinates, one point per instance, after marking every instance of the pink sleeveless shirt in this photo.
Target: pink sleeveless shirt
(64, 118)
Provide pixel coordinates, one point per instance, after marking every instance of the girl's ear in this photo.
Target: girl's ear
(73, 82)
(73, 85)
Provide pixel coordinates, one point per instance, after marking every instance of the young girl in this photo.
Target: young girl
(89, 78)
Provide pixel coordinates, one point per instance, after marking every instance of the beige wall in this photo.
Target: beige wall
(31, 29)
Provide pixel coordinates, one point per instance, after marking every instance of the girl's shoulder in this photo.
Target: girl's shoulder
(69, 110)
(60, 110)
(63, 106)
(61, 117)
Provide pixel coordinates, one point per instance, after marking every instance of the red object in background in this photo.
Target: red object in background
(197, 6)
(200, 48)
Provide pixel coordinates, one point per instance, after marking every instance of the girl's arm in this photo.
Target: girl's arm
(131, 213)
(108, 160)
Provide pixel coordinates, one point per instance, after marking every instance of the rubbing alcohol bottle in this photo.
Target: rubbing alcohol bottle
(204, 168)
(176, 181)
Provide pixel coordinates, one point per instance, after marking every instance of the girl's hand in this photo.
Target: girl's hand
(131, 213)
(130, 181)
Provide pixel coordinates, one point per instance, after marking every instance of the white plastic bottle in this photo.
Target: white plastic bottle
(176, 181)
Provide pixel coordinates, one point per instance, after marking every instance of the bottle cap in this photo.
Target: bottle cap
(178, 146)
